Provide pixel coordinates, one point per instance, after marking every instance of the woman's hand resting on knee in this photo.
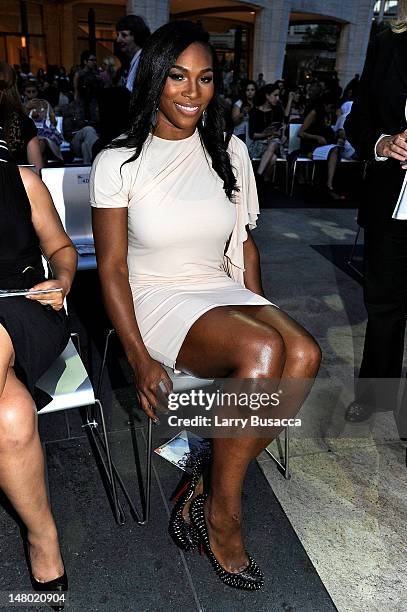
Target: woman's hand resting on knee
(153, 385)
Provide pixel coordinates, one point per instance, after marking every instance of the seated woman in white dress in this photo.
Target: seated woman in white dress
(172, 206)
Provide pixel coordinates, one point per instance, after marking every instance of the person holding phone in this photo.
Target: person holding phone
(266, 130)
(33, 332)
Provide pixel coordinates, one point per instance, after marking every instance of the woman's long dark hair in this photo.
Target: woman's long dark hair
(244, 86)
(156, 60)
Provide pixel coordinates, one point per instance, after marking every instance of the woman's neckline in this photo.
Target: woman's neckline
(177, 140)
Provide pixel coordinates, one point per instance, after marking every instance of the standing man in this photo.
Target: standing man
(132, 34)
(376, 127)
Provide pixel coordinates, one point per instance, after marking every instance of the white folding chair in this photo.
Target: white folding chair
(294, 143)
(69, 189)
(67, 382)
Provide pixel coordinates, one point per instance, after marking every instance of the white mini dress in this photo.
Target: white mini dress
(185, 237)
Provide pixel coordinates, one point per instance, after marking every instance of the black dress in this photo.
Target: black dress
(38, 333)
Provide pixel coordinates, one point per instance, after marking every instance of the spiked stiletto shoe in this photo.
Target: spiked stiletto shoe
(183, 534)
(249, 579)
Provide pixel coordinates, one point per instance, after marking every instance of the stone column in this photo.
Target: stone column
(353, 42)
(155, 12)
(52, 30)
(270, 39)
(68, 37)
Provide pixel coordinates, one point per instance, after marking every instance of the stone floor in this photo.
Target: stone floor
(347, 496)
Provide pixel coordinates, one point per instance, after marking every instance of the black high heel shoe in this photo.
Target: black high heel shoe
(58, 585)
(184, 534)
(249, 579)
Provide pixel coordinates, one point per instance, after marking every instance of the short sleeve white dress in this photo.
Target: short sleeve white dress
(185, 237)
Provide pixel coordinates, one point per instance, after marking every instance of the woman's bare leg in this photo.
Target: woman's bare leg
(332, 161)
(22, 467)
(243, 342)
(268, 156)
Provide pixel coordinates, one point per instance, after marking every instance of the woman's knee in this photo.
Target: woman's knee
(263, 356)
(17, 423)
(304, 353)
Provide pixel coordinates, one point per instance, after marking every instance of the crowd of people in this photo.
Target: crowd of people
(93, 103)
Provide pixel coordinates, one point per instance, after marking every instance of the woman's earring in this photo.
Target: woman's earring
(203, 118)
(154, 117)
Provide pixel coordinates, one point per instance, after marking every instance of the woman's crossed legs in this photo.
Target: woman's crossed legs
(246, 342)
(22, 467)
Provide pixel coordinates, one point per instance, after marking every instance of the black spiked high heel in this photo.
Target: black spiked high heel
(249, 579)
(183, 534)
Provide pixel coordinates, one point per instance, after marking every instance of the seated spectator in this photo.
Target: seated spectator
(260, 83)
(19, 130)
(347, 151)
(40, 77)
(109, 71)
(319, 141)
(266, 130)
(77, 130)
(295, 108)
(33, 332)
(241, 108)
(49, 137)
(30, 91)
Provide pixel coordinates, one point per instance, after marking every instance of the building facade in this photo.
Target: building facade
(56, 31)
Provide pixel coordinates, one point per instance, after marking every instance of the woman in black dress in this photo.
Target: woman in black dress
(265, 130)
(33, 332)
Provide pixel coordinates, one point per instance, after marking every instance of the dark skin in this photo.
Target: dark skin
(241, 342)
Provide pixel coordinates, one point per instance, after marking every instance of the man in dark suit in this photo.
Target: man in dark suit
(376, 128)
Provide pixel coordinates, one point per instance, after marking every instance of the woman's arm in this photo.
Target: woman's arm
(287, 110)
(255, 132)
(303, 133)
(54, 242)
(252, 273)
(237, 115)
(34, 156)
(110, 234)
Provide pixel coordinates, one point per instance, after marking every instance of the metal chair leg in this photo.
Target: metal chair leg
(352, 254)
(283, 467)
(294, 172)
(103, 365)
(75, 336)
(107, 464)
(313, 173)
(149, 458)
(93, 427)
